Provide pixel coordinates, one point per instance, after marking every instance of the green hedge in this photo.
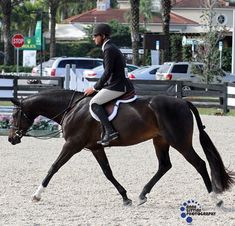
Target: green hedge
(12, 68)
(78, 49)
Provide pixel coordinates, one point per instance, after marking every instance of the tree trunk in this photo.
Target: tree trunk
(165, 12)
(53, 7)
(52, 35)
(6, 23)
(135, 30)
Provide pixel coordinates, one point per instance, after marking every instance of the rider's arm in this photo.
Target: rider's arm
(109, 57)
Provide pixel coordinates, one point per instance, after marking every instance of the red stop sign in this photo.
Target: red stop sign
(17, 40)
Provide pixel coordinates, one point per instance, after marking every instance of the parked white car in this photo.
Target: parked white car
(57, 65)
(98, 71)
(36, 71)
(144, 73)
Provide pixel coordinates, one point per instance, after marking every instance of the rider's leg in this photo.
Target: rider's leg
(109, 131)
(102, 97)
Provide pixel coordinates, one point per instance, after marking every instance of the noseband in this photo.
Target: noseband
(18, 131)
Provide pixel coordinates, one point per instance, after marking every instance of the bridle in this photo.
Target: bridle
(18, 131)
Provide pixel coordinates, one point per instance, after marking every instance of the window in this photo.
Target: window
(180, 68)
(164, 68)
(80, 63)
(153, 72)
(87, 64)
(62, 63)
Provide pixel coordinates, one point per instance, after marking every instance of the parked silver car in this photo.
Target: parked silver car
(179, 71)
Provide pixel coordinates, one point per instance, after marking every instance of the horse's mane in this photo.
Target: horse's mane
(55, 92)
(57, 96)
(58, 92)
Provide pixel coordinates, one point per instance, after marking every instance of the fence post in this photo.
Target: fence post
(61, 82)
(67, 76)
(15, 87)
(225, 98)
(179, 85)
(74, 68)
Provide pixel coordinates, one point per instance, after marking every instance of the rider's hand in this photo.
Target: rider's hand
(89, 91)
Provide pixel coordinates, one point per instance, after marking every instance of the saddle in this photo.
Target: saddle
(112, 106)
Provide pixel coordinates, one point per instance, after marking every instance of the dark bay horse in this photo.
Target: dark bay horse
(166, 120)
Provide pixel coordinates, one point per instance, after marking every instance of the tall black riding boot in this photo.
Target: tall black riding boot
(109, 132)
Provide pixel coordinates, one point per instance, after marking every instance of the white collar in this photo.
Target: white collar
(104, 44)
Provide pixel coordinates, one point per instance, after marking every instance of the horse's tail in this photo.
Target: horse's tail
(222, 179)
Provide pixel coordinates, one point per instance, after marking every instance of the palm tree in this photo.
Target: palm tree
(145, 11)
(7, 6)
(165, 12)
(75, 7)
(53, 6)
(26, 12)
(135, 30)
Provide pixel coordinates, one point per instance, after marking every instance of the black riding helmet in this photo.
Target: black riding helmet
(102, 29)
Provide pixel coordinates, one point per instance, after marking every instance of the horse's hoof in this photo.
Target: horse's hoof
(220, 203)
(142, 200)
(127, 202)
(35, 198)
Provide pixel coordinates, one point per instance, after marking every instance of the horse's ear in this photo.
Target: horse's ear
(15, 101)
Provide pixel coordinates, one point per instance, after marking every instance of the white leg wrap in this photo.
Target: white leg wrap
(214, 198)
(39, 191)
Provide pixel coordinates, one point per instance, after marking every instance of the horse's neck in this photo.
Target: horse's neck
(53, 106)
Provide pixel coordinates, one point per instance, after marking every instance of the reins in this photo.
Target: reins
(64, 112)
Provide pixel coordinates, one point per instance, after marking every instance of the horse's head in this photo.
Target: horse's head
(20, 124)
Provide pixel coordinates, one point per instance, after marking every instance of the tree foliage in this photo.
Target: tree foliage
(28, 13)
(6, 8)
(74, 7)
(187, 53)
(176, 47)
(146, 11)
(207, 50)
(120, 36)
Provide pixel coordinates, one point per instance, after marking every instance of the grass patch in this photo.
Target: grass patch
(6, 103)
(214, 111)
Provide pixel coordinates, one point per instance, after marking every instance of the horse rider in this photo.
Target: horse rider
(113, 82)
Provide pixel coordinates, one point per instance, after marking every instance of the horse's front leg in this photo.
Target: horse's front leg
(104, 164)
(67, 152)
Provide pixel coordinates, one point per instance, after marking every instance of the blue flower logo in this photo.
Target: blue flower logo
(188, 207)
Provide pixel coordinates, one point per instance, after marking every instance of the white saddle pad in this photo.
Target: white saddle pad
(115, 109)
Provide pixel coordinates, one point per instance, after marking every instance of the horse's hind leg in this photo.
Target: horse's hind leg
(104, 164)
(192, 157)
(67, 152)
(162, 152)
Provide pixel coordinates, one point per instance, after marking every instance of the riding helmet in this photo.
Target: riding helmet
(102, 29)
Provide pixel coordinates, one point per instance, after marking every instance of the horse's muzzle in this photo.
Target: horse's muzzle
(14, 139)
